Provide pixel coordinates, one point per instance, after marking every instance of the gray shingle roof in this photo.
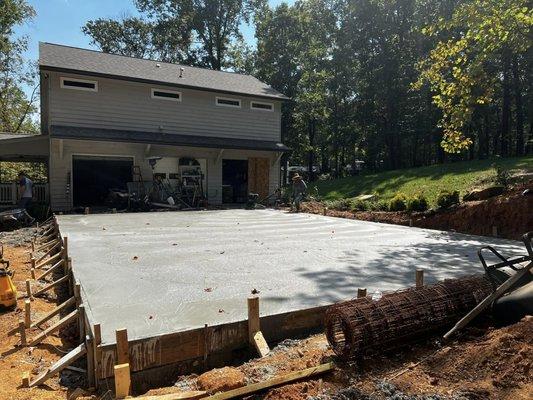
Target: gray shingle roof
(91, 62)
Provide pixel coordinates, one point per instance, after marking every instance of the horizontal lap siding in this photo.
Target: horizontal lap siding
(129, 106)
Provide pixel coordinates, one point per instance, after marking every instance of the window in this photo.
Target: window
(257, 105)
(79, 84)
(228, 102)
(163, 94)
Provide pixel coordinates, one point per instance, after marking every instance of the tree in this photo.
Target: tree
(466, 70)
(197, 32)
(15, 108)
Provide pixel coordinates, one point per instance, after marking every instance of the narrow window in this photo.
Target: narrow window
(227, 102)
(79, 84)
(166, 95)
(257, 105)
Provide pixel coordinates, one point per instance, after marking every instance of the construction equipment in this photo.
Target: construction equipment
(8, 291)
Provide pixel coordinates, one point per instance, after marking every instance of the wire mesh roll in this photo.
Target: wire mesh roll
(361, 326)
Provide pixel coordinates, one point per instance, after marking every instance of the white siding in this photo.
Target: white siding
(128, 105)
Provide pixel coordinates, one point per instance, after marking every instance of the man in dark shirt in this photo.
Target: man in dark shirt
(25, 190)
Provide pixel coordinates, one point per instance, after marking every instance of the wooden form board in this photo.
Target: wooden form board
(191, 345)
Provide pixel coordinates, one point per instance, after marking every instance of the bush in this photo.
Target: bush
(398, 202)
(379, 205)
(340, 205)
(447, 199)
(417, 203)
(360, 205)
(503, 176)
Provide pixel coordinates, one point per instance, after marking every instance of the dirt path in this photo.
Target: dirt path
(15, 360)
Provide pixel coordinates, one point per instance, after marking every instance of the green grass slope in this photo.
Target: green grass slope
(429, 181)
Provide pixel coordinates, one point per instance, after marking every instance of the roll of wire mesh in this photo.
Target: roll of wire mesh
(361, 326)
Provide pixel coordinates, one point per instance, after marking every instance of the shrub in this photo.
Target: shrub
(360, 205)
(503, 176)
(340, 205)
(379, 205)
(417, 203)
(398, 202)
(447, 199)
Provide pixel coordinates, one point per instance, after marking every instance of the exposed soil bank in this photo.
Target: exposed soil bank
(509, 215)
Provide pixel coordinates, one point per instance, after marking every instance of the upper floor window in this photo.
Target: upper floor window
(258, 105)
(79, 84)
(228, 102)
(163, 94)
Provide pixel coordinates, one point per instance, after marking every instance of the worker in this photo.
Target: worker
(299, 189)
(25, 190)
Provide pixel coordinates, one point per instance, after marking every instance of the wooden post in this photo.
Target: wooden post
(26, 379)
(27, 313)
(255, 336)
(419, 278)
(32, 246)
(97, 329)
(28, 289)
(253, 317)
(33, 273)
(361, 293)
(89, 344)
(81, 321)
(122, 381)
(123, 356)
(22, 331)
(32, 260)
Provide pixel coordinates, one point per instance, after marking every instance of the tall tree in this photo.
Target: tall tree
(15, 108)
(198, 32)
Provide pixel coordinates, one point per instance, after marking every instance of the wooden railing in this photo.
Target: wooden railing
(9, 193)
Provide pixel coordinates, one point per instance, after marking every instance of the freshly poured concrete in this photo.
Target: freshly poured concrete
(157, 273)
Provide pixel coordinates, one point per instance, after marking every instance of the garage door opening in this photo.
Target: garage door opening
(93, 177)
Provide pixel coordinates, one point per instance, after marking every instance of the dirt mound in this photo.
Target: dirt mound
(221, 380)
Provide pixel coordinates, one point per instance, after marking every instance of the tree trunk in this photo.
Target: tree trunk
(506, 106)
(519, 108)
(311, 160)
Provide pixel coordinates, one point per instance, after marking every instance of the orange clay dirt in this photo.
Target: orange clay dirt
(481, 363)
(15, 360)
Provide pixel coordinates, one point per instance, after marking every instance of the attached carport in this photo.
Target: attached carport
(23, 148)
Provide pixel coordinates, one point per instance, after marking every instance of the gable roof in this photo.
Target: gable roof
(61, 58)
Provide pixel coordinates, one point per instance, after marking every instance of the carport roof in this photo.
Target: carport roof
(159, 138)
(23, 147)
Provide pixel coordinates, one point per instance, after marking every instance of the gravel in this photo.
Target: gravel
(19, 237)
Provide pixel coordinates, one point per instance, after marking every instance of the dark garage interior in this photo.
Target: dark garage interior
(234, 181)
(94, 176)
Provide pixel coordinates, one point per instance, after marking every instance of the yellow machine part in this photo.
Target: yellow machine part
(8, 291)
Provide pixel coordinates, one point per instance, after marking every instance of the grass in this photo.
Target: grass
(428, 181)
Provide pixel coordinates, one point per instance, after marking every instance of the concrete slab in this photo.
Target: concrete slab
(157, 273)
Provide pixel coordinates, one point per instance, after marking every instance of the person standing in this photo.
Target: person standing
(299, 189)
(25, 190)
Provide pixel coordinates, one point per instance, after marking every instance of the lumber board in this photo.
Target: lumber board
(277, 381)
(54, 312)
(59, 324)
(50, 260)
(45, 245)
(189, 395)
(51, 285)
(123, 356)
(48, 252)
(122, 381)
(500, 291)
(50, 270)
(60, 365)
(260, 344)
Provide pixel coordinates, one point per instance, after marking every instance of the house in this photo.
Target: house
(107, 120)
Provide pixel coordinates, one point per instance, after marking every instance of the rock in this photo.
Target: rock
(221, 380)
(484, 194)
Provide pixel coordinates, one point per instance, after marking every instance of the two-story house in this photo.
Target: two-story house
(108, 119)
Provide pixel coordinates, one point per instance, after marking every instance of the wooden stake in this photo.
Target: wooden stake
(50, 260)
(361, 293)
(255, 336)
(50, 270)
(89, 343)
(26, 379)
(123, 355)
(97, 329)
(51, 285)
(419, 278)
(32, 260)
(81, 321)
(32, 271)
(122, 381)
(27, 313)
(28, 289)
(60, 364)
(22, 331)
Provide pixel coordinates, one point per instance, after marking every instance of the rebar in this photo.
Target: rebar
(361, 326)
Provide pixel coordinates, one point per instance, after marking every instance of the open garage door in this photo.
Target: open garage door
(93, 177)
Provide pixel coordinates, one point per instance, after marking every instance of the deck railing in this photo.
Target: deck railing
(9, 193)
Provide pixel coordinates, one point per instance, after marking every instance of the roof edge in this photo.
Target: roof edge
(44, 67)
